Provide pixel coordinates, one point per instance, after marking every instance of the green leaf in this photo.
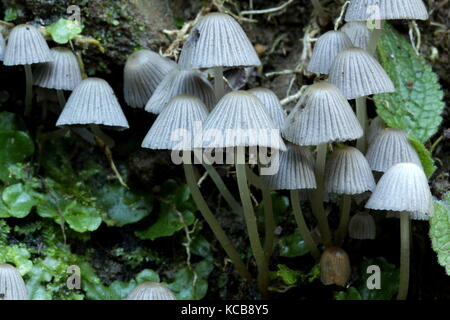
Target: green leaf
(9, 122)
(18, 200)
(351, 294)
(16, 255)
(147, 275)
(81, 218)
(16, 146)
(292, 277)
(10, 14)
(440, 231)
(201, 247)
(292, 245)
(425, 157)
(192, 284)
(64, 30)
(417, 104)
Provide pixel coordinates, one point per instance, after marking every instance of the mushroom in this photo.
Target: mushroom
(327, 47)
(218, 41)
(358, 33)
(391, 146)
(272, 104)
(403, 188)
(12, 286)
(26, 46)
(377, 125)
(362, 227)
(143, 72)
(151, 291)
(178, 82)
(335, 267)
(2, 47)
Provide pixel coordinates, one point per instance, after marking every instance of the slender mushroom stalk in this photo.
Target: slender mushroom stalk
(361, 113)
(29, 89)
(219, 84)
(346, 204)
(269, 222)
(405, 238)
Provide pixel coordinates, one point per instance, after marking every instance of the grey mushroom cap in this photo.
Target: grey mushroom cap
(359, 74)
(326, 49)
(241, 120)
(178, 82)
(272, 104)
(143, 72)
(174, 128)
(218, 41)
(62, 73)
(93, 102)
(391, 146)
(404, 187)
(25, 46)
(358, 33)
(376, 126)
(12, 286)
(295, 170)
(2, 47)
(360, 10)
(322, 115)
(362, 227)
(151, 291)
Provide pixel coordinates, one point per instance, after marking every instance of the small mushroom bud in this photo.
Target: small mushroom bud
(151, 291)
(362, 226)
(334, 267)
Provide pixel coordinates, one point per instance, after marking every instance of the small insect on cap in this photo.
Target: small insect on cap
(12, 286)
(363, 10)
(151, 291)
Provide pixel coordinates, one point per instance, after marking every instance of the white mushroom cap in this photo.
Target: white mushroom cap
(12, 286)
(26, 45)
(322, 115)
(376, 126)
(178, 82)
(218, 41)
(174, 128)
(143, 72)
(326, 49)
(272, 104)
(358, 33)
(404, 187)
(241, 120)
(62, 73)
(360, 10)
(358, 74)
(295, 170)
(93, 102)
(348, 172)
(362, 227)
(151, 291)
(389, 147)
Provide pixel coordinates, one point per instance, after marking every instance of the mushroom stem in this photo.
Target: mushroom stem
(61, 98)
(374, 37)
(317, 195)
(361, 113)
(302, 226)
(103, 136)
(29, 89)
(219, 84)
(269, 221)
(405, 238)
(213, 223)
(346, 205)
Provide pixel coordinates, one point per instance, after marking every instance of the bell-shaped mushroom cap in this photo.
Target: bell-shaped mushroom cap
(93, 102)
(362, 227)
(363, 10)
(26, 45)
(2, 47)
(241, 120)
(404, 187)
(326, 49)
(389, 147)
(12, 286)
(272, 104)
(151, 291)
(178, 82)
(295, 170)
(174, 129)
(348, 172)
(218, 41)
(144, 71)
(358, 33)
(358, 74)
(62, 73)
(376, 126)
(322, 115)
(335, 267)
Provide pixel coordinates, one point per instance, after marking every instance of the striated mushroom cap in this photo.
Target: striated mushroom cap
(348, 172)
(295, 170)
(272, 104)
(362, 227)
(151, 291)
(12, 286)
(358, 33)
(26, 45)
(376, 126)
(389, 147)
(62, 73)
(358, 74)
(361, 10)
(178, 82)
(335, 267)
(241, 120)
(218, 41)
(322, 115)
(404, 187)
(143, 72)
(174, 128)
(326, 49)
(93, 102)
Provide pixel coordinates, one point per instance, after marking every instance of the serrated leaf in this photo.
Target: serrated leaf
(64, 30)
(440, 231)
(417, 105)
(425, 157)
(18, 200)
(16, 146)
